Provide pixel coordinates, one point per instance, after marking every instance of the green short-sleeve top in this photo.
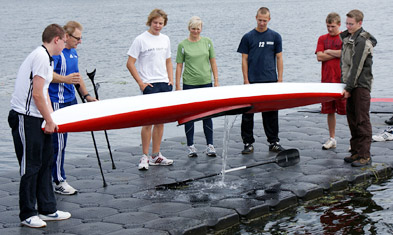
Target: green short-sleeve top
(196, 58)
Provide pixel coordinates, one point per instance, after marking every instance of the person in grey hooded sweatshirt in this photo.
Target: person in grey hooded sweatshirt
(356, 74)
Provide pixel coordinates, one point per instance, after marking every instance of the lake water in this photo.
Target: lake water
(363, 209)
(111, 26)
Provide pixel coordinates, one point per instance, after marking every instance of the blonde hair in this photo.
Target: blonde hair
(155, 14)
(71, 26)
(194, 22)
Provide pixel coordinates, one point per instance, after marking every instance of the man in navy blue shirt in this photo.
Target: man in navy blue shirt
(262, 62)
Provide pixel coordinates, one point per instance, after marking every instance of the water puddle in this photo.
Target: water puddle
(198, 191)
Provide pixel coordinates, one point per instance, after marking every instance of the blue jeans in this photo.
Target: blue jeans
(207, 123)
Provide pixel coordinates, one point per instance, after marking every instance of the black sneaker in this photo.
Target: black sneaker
(248, 148)
(389, 121)
(276, 147)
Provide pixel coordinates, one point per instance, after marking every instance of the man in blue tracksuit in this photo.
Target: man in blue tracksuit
(62, 94)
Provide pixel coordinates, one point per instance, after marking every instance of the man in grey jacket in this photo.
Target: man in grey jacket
(356, 73)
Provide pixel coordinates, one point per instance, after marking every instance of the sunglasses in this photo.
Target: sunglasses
(77, 38)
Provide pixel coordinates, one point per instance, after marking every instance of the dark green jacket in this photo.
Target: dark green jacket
(357, 59)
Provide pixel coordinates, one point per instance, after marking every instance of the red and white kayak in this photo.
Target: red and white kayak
(190, 105)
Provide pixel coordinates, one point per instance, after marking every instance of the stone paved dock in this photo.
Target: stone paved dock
(130, 204)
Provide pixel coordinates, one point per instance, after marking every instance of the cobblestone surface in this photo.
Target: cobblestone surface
(130, 204)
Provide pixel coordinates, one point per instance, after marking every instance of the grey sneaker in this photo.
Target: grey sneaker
(210, 151)
(64, 188)
(192, 151)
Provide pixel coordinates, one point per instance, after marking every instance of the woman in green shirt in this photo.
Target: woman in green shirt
(197, 55)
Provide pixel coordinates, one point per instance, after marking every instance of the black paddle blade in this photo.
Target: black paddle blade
(175, 185)
(91, 74)
(288, 157)
(184, 183)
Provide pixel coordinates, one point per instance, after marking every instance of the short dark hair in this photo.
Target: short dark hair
(356, 14)
(52, 31)
(263, 11)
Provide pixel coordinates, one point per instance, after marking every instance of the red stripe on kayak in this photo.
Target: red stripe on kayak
(210, 113)
(381, 99)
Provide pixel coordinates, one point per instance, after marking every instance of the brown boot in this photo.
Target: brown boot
(362, 161)
(352, 158)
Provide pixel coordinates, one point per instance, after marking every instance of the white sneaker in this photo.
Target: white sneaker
(386, 135)
(330, 143)
(210, 151)
(192, 151)
(160, 160)
(64, 188)
(58, 215)
(144, 163)
(34, 222)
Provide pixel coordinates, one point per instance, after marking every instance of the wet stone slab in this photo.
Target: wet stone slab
(214, 217)
(246, 208)
(131, 203)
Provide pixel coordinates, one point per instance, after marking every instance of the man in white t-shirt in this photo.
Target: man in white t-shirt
(30, 106)
(152, 51)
